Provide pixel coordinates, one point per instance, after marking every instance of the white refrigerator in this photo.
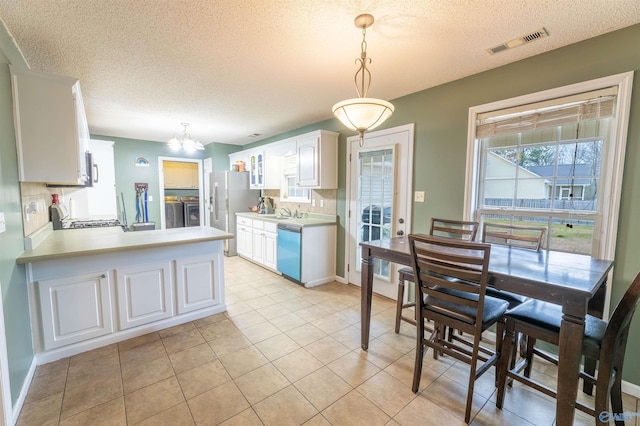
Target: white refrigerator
(230, 194)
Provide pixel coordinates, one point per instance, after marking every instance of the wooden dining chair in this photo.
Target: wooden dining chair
(527, 237)
(451, 280)
(459, 229)
(605, 342)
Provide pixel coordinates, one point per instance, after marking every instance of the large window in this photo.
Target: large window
(552, 159)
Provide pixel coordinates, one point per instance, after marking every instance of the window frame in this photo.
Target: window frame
(605, 231)
(285, 193)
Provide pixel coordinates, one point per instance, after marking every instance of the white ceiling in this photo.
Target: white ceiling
(233, 68)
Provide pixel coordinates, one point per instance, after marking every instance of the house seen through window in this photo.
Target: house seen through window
(546, 164)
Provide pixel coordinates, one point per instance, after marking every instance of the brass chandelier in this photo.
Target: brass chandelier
(362, 113)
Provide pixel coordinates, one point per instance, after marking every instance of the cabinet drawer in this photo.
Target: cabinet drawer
(244, 221)
(271, 227)
(258, 224)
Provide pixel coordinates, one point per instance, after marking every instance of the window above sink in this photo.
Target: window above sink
(290, 192)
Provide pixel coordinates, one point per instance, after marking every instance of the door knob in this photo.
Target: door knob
(400, 233)
(401, 220)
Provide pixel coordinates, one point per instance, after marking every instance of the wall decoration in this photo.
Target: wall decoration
(142, 162)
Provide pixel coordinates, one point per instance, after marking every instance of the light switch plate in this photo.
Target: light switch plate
(3, 225)
(418, 197)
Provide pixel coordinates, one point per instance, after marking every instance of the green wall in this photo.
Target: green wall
(441, 113)
(14, 282)
(126, 151)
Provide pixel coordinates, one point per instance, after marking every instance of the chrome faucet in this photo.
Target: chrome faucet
(285, 212)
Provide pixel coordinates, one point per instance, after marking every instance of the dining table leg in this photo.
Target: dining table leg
(366, 294)
(570, 349)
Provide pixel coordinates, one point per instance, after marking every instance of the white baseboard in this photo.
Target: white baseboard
(341, 280)
(631, 389)
(17, 407)
(76, 348)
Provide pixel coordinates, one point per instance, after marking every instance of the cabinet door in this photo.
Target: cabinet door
(256, 170)
(270, 250)
(258, 246)
(180, 175)
(102, 198)
(195, 283)
(144, 294)
(245, 240)
(308, 162)
(51, 128)
(74, 309)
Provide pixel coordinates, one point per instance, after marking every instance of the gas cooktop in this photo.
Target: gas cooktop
(90, 223)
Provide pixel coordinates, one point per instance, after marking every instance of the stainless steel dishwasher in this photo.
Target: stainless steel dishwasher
(290, 251)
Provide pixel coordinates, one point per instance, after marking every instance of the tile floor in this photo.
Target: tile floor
(280, 355)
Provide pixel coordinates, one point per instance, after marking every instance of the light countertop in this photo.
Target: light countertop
(311, 219)
(90, 241)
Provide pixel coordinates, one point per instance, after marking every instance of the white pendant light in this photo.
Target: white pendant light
(186, 143)
(362, 114)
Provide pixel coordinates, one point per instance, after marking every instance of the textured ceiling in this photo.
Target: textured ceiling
(233, 68)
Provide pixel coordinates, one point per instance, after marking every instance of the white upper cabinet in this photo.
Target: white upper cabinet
(52, 135)
(256, 169)
(318, 160)
(275, 154)
(315, 154)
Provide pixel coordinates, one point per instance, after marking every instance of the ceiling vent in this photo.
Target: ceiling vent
(536, 35)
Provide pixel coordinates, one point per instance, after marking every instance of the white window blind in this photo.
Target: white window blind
(569, 110)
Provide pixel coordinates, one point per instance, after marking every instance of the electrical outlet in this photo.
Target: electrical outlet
(418, 197)
(149, 198)
(321, 203)
(313, 202)
(3, 225)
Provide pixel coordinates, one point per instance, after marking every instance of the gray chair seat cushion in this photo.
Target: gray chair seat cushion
(512, 298)
(493, 308)
(548, 317)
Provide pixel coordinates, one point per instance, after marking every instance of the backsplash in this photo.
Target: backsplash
(327, 196)
(39, 194)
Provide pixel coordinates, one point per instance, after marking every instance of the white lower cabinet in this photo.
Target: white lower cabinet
(75, 308)
(263, 245)
(270, 258)
(144, 294)
(195, 283)
(244, 237)
(84, 302)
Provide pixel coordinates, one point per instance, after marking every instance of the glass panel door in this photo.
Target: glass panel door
(375, 201)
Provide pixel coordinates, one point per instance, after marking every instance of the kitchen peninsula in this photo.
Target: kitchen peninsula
(92, 287)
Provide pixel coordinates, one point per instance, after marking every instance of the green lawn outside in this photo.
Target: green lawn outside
(576, 239)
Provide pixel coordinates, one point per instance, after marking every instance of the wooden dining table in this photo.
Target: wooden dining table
(574, 281)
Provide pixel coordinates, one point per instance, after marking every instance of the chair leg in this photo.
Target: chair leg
(616, 398)
(522, 344)
(399, 304)
(417, 369)
(499, 342)
(506, 353)
(589, 368)
(439, 332)
(472, 378)
(531, 342)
